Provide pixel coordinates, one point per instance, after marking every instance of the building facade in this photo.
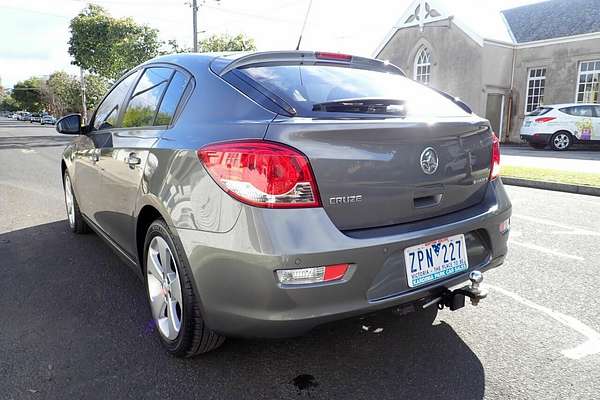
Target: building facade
(544, 53)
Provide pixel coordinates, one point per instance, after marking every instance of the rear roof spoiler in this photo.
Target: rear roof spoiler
(296, 57)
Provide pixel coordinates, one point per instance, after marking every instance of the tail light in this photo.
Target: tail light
(543, 120)
(262, 173)
(495, 166)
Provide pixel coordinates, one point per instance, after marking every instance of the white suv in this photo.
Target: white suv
(561, 125)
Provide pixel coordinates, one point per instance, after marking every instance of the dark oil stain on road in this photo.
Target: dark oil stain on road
(305, 382)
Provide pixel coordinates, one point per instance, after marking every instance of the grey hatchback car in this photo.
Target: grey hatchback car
(263, 194)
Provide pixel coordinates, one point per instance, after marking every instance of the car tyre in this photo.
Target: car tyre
(74, 217)
(561, 141)
(537, 146)
(174, 306)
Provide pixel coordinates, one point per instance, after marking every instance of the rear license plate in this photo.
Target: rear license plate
(527, 124)
(429, 262)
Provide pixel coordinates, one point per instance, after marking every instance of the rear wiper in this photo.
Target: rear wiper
(364, 105)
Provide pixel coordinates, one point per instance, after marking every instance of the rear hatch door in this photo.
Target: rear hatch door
(377, 173)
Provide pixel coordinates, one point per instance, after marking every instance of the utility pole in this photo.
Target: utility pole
(195, 23)
(83, 100)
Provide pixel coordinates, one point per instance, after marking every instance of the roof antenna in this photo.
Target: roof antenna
(304, 24)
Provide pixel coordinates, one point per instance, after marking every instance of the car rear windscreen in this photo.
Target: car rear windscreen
(304, 86)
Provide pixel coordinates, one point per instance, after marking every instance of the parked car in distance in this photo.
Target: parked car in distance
(25, 116)
(48, 119)
(35, 117)
(264, 194)
(562, 125)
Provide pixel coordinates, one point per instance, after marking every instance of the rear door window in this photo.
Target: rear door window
(307, 86)
(146, 97)
(579, 111)
(108, 112)
(171, 99)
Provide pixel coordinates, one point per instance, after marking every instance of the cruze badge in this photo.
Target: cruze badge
(357, 198)
(429, 161)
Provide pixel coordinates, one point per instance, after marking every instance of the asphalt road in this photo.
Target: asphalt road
(74, 322)
(580, 158)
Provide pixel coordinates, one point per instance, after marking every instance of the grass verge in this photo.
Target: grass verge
(552, 175)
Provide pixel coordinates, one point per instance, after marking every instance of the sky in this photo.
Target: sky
(34, 33)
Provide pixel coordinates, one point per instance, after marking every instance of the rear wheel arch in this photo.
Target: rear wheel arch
(63, 168)
(564, 131)
(147, 215)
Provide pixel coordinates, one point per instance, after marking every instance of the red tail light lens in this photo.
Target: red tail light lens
(544, 119)
(261, 173)
(333, 56)
(495, 167)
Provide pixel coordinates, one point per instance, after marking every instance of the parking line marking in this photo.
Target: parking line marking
(590, 347)
(546, 250)
(556, 224)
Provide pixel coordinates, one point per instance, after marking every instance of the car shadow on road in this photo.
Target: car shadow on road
(75, 324)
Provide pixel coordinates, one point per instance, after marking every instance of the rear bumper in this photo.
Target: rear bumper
(234, 272)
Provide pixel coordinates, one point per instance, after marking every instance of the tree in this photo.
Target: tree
(61, 94)
(171, 46)
(225, 42)
(28, 94)
(110, 46)
(8, 103)
(95, 89)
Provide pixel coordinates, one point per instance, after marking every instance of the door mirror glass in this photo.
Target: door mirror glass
(69, 124)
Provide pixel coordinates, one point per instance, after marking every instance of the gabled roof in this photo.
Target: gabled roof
(485, 22)
(553, 19)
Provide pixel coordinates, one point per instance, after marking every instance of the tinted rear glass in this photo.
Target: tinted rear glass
(579, 111)
(171, 99)
(306, 85)
(146, 97)
(539, 111)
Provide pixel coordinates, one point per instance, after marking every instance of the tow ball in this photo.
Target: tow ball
(455, 299)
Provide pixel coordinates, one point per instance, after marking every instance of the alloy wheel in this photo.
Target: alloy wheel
(69, 201)
(164, 288)
(561, 141)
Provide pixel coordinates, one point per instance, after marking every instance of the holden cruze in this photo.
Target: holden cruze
(265, 194)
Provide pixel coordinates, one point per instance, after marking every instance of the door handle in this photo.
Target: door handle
(133, 160)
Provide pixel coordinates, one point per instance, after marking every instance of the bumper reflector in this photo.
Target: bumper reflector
(504, 226)
(305, 276)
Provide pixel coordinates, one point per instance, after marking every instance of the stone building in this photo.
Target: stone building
(503, 64)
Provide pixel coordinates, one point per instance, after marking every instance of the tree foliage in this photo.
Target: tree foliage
(110, 46)
(61, 93)
(28, 94)
(172, 46)
(225, 42)
(8, 103)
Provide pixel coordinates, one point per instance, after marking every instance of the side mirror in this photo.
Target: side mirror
(70, 125)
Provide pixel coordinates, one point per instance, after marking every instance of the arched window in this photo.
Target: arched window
(423, 66)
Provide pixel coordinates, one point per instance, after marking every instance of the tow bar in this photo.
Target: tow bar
(455, 299)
